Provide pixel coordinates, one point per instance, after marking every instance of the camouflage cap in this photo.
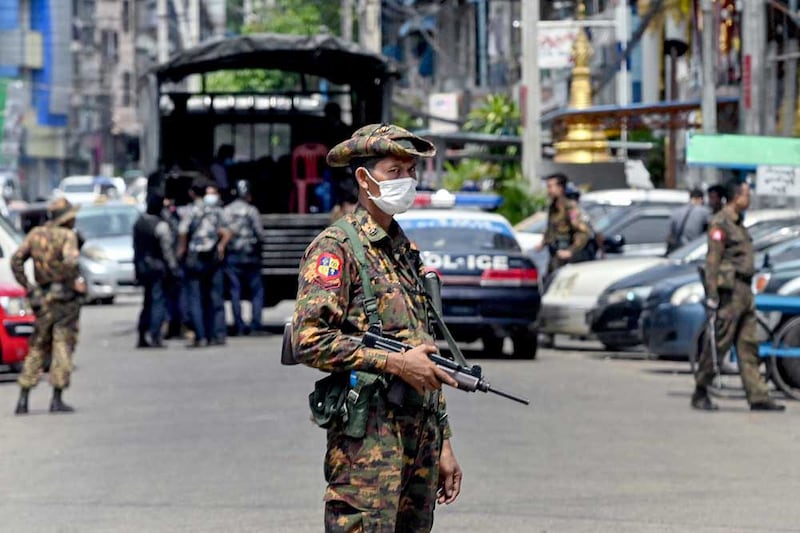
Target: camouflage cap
(377, 140)
(61, 211)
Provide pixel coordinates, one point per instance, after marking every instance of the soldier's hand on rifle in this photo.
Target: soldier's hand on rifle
(417, 370)
(712, 304)
(564, 255)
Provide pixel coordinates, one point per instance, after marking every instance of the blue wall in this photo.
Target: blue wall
(43, 78)
(9, 20)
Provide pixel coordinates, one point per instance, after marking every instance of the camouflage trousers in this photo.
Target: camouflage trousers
(736, 324)
(55, 333)
(386, 481)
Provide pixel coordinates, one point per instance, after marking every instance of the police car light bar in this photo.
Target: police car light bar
(444, 199)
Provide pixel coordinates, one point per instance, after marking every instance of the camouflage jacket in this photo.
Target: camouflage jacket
(730, 253)
(201, 223)
(244, 222)
(54, 250)
(329, 315)
(566, 226)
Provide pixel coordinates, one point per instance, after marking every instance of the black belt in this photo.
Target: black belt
(747, 278)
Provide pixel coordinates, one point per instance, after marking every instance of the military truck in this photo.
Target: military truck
(185, 123)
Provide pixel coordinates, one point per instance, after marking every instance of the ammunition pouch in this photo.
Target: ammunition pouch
(327, 401)
(337, 402)
(363, 388)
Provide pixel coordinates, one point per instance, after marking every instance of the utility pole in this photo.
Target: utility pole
(754, 40)
(531, 97)
(162, 29)
(369, 25)
(347, 20)
(709, 101)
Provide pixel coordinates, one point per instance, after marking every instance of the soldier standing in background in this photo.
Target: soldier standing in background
(56, 299)
(567, 233)
(154, 261)
(201, 243)
(729, 272)
(243, 257)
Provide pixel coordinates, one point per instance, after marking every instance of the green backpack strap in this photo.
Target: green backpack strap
(370, 302)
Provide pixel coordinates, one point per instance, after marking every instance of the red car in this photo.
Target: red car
(17, 321)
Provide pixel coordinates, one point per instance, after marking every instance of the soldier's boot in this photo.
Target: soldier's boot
(769, 405)
(57, 405)
(22, 403)
(701, 400)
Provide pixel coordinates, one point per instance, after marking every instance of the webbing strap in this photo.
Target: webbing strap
(370, 302)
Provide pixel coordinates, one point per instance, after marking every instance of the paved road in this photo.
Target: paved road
(219, 440)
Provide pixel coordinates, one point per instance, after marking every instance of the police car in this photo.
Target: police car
(490, 289)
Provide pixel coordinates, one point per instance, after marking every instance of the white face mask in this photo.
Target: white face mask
(397, 195)
(211, 199)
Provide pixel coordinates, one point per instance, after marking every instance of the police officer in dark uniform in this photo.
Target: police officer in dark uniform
(154, 260)
(729, 273)
(243, 257)
(202, 240)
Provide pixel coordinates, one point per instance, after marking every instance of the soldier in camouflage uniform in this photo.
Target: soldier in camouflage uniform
(729, 273)
(243, 257)
(388, 480)
(567, 233)
(202, 238)
(55, 298)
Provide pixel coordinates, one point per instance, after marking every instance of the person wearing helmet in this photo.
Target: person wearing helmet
(401, 463)
(243, 258)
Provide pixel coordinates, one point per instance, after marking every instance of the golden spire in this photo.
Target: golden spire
(584, 143)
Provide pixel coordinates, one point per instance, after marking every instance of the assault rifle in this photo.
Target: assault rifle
(469, 378)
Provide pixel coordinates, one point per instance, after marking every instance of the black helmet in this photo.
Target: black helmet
(242, 188)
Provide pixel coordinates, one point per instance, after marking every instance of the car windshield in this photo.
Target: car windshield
(460, 235)
(97, 222)
(609, 219)
(78, 187)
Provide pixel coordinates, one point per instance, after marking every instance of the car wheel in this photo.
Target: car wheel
(106, 301)
(493, 345)
(785, 371)
(525, 345)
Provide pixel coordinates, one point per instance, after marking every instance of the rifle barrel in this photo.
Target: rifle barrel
(510, 396)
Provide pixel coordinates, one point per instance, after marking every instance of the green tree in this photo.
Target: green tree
(498, 115)
(295, 17)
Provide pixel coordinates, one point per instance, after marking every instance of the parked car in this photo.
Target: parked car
(489, 287)
(616, 319)
(82, 190)
(17, 321)
(597, 205)
(107, 254)
(575, 288)
(673, 316)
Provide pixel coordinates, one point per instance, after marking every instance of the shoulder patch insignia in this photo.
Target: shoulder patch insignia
(717, 235)
(329, 269)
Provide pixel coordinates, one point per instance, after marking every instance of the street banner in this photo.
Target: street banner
(555, 47)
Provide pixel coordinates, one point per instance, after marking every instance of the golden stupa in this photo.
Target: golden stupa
(584, 142)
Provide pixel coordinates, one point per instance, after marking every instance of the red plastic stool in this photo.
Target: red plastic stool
(312, 158)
